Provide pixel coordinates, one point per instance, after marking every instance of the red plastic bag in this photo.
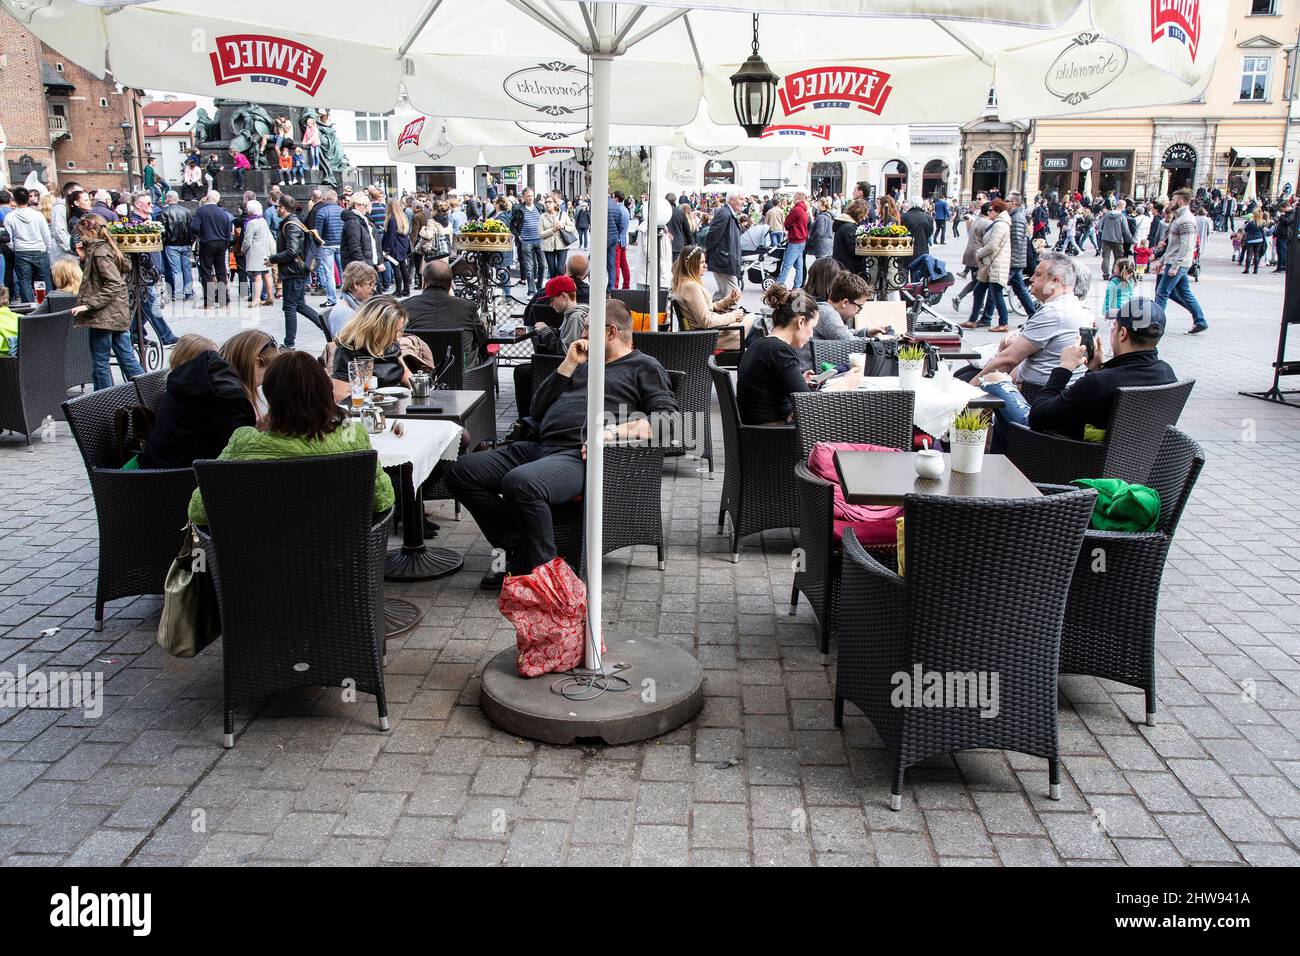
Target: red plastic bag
(548, 608)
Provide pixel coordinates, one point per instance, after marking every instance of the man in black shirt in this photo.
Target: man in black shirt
(510, 490)
(435, 309)
(1064, 408)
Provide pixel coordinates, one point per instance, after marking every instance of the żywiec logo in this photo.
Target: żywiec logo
(1179, 20)
(833, 150)
(802, 132)
(557, 151)
(267, 59)
(835, 87)
(410, 134)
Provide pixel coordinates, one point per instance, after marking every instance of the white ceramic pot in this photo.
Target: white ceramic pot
(910, 374)
(967, 450)
(928, 463)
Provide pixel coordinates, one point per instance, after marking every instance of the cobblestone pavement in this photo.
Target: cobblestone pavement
(761, 777)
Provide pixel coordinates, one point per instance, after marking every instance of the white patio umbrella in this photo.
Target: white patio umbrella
(1164, 183)
(1249, 193)
(840, 61)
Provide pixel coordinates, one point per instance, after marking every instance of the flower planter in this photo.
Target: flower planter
(910, 374)
(884, 246)
(967, 450)
(139, 241)
(484, 241)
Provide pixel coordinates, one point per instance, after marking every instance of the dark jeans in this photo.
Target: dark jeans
(531, 264)
(401, 277)
(510, 490)
(30, 268)
(555, 262)
(294, 299)
(994, 292)
(104, 342)
(212, 265)
(524, 389)
(1254, 252)
(940, 231)
(582, 238)
(1021, 291)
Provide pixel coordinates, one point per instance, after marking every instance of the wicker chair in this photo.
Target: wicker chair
(78, 367)
(482, 424)
(638, 300)
(301, 596)
(942, 618)
(1133, 438)
(633, 507)
(687, 352)
(141, 513)
(726, 358)
(758, 486)
(1110, 618)
(152, 387)
(837, 351)
(32, 382)
(873, 418)
(542, 367)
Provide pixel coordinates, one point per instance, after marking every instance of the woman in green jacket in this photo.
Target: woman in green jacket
(302, 420)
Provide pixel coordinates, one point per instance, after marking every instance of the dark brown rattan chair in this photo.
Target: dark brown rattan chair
(141, 513)
(689, 353)
(78, 367)
(1133, 438)
(299, 577)
(758, 486)
(32, 382)
(482, 423)
(638, 300)
(942, 618)
(1110, 618)
(152, 387)
(542, 367)
(870, 418)
(633, 506)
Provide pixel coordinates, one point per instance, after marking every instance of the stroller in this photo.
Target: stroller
(764, 268)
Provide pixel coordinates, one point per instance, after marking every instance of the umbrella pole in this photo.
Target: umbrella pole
(593, 499)
(652, 243)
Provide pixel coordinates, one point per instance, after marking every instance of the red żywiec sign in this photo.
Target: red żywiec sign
(410, 134)
(539, 151)
(267, 59)
(841, 87)
(813, 132)
(1179, 20)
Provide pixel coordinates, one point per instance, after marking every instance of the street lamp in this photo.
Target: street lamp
(127, 153)
(753, 90)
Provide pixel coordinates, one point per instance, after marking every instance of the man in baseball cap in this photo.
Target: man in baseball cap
(562, 294)
(1082, 410)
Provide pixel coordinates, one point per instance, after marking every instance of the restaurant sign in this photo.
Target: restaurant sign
(266, 59)
(1115, 163)
(554, 88)
(835, 87)
(1057, 161)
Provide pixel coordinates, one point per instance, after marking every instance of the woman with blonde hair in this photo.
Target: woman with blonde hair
(695, 306)
(104, 307)
(372, 333)
(66, 274)
(397, 247)
(249, 353)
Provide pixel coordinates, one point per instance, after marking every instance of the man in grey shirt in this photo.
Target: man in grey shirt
(1115, 235)
(1031, 354)
(1180, 252)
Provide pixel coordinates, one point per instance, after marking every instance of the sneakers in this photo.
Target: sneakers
(956, 304)
(492, 581)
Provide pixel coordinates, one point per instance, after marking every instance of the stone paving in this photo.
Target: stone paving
(761, 777)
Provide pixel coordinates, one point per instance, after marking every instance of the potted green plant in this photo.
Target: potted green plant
(911, 367)
(966, 437)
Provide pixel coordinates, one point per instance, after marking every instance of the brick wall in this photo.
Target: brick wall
(24, 112)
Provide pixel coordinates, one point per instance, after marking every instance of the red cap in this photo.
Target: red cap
(560, 285)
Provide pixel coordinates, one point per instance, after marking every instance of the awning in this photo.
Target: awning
(1258, 152)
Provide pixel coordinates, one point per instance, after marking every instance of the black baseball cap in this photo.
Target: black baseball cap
(1139, 314)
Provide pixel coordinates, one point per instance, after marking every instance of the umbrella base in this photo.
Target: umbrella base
(662, 687)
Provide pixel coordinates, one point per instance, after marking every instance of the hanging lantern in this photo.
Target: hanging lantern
(585, 154)
(753, 89)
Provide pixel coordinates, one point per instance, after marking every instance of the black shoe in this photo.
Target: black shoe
(1197, 329)
(492, 581)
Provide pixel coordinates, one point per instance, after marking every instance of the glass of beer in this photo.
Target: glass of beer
(39, 288)
(357, 381)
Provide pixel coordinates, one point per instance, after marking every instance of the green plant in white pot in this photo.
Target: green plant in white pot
(966, 437)
(911, 367)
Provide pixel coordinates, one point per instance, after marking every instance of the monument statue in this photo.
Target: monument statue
(251, 124)
(333, 160)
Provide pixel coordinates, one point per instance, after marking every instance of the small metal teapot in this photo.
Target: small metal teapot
(421, 384)
(373, 419)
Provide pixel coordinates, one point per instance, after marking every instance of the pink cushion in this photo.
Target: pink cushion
(871, 524)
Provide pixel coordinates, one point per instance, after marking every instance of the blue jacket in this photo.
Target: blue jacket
(927, 267)
(329, 223)
(211, 223)
(723, 243)
(941, 210)
(618, 222)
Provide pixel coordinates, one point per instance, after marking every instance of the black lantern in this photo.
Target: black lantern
(127, 152)
(585, 154)
(753, 89)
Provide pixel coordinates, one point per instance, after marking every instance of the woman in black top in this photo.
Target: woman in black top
(372, 333)
(770, 372)
(845, 243)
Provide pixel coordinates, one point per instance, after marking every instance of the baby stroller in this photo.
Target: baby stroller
(764, 268)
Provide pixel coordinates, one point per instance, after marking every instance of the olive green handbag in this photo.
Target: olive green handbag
(190, 618)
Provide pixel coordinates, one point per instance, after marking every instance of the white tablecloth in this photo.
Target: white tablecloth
(421, 443)
(936, 405)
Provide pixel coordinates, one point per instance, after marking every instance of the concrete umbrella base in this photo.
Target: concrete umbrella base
(665, 689)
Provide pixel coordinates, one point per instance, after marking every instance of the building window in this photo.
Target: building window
(1254, 78)
(72, 164)
(372, 127)
(103, 101)
(1263, 8)
(385, 176)
(59, 67)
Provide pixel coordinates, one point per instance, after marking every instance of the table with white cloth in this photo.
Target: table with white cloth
(938, 401)
(409, 458)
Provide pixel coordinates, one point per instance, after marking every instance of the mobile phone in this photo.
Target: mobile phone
(825, 376)
(1089, 339)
